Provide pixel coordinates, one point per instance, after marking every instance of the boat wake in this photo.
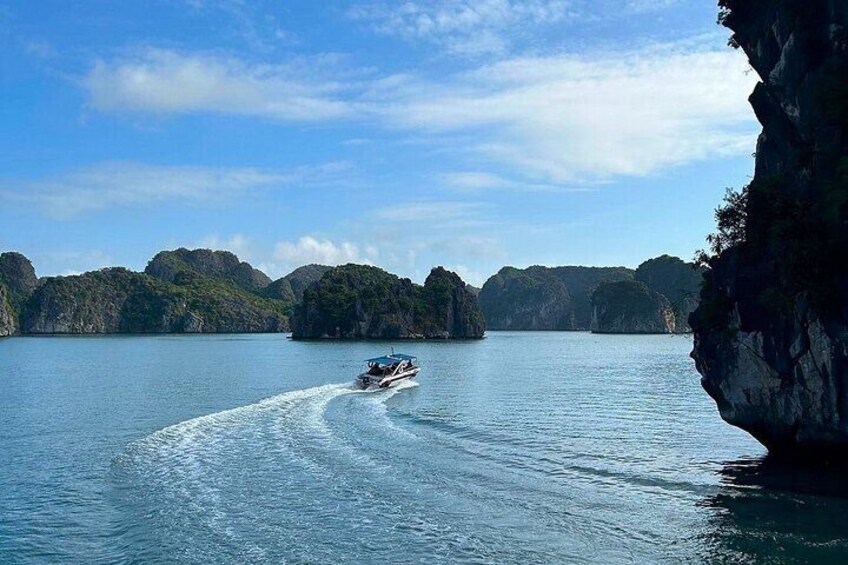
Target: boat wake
(228, 472)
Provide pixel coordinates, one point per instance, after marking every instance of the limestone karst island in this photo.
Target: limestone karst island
(443, 281)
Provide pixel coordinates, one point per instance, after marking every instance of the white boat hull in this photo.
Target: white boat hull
(371, 381)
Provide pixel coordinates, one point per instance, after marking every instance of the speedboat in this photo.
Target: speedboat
(383, 372)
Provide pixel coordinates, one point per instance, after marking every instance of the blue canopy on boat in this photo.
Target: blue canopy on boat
(404, 356)
(391, 359)
(383, 360)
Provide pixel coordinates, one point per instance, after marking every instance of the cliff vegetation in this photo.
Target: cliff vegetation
(770, 333)
(363, 302)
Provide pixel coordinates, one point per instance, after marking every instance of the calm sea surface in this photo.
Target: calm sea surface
(521, 448)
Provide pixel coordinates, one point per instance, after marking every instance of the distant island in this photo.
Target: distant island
(362, 302)
(655, 298)
(205, 291)
(544, 298)
(660, 298)
(181, 291)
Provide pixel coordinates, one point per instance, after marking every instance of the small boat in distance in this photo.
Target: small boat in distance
(383, 372)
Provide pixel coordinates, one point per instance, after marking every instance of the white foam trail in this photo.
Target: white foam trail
(195, 468)
(299, 415)
(381, 396)
(203, 427)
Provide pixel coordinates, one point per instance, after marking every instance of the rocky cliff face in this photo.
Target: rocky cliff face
(362, 302)
(630, 307)
(121, 301)
(280, 289)
(17, 283)
(301, 278)
(18, 275)
(183, 265)
(771, 333)
(7, 317)
(676, 280)
(451, 307)
(544, 298)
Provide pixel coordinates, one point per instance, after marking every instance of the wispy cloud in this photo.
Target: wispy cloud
(238, 244)
(465, 26)
(255, 23)
(647, 6)
(40, 49)
(70, 262)
(434, 213)
(309, 249)
(570, 118)
(168, 82)
(558, 119)
(470, 276)
(119, 184)
(480, 181)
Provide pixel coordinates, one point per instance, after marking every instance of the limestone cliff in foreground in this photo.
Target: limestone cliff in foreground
(771, 333)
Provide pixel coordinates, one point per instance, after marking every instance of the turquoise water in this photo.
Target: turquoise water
(521, 448)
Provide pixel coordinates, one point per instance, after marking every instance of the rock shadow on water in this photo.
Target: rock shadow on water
(773, 510)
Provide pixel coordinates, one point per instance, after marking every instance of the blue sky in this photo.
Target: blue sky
(406, 134)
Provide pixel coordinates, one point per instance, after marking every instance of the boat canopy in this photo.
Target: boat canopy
(390, 359)
(404, 357)
(382, 361)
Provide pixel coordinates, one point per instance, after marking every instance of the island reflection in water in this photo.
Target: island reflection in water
(777, 511)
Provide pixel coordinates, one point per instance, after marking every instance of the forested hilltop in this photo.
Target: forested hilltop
(544, 298)
(660, 298)
(655, 298)
(362, 302)
(181, 291)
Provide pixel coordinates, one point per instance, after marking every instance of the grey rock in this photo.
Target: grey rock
(7, 317)
(630, 307)
(544, 298)
(18, 275)
(771, 331)
(301, 278)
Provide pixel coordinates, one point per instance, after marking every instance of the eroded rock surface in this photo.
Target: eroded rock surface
(771, 333)
(630, 307)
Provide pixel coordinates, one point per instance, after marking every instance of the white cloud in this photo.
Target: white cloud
(477, 181)
(464, 26)
(309, 249)
(647, 6)
(469, 275)
(119, 183)
(552, 120)
(251, 22)
(436, 214)
(167, 82)
(570, 118)
(69, 263)
(238, 244)
(40, 49)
